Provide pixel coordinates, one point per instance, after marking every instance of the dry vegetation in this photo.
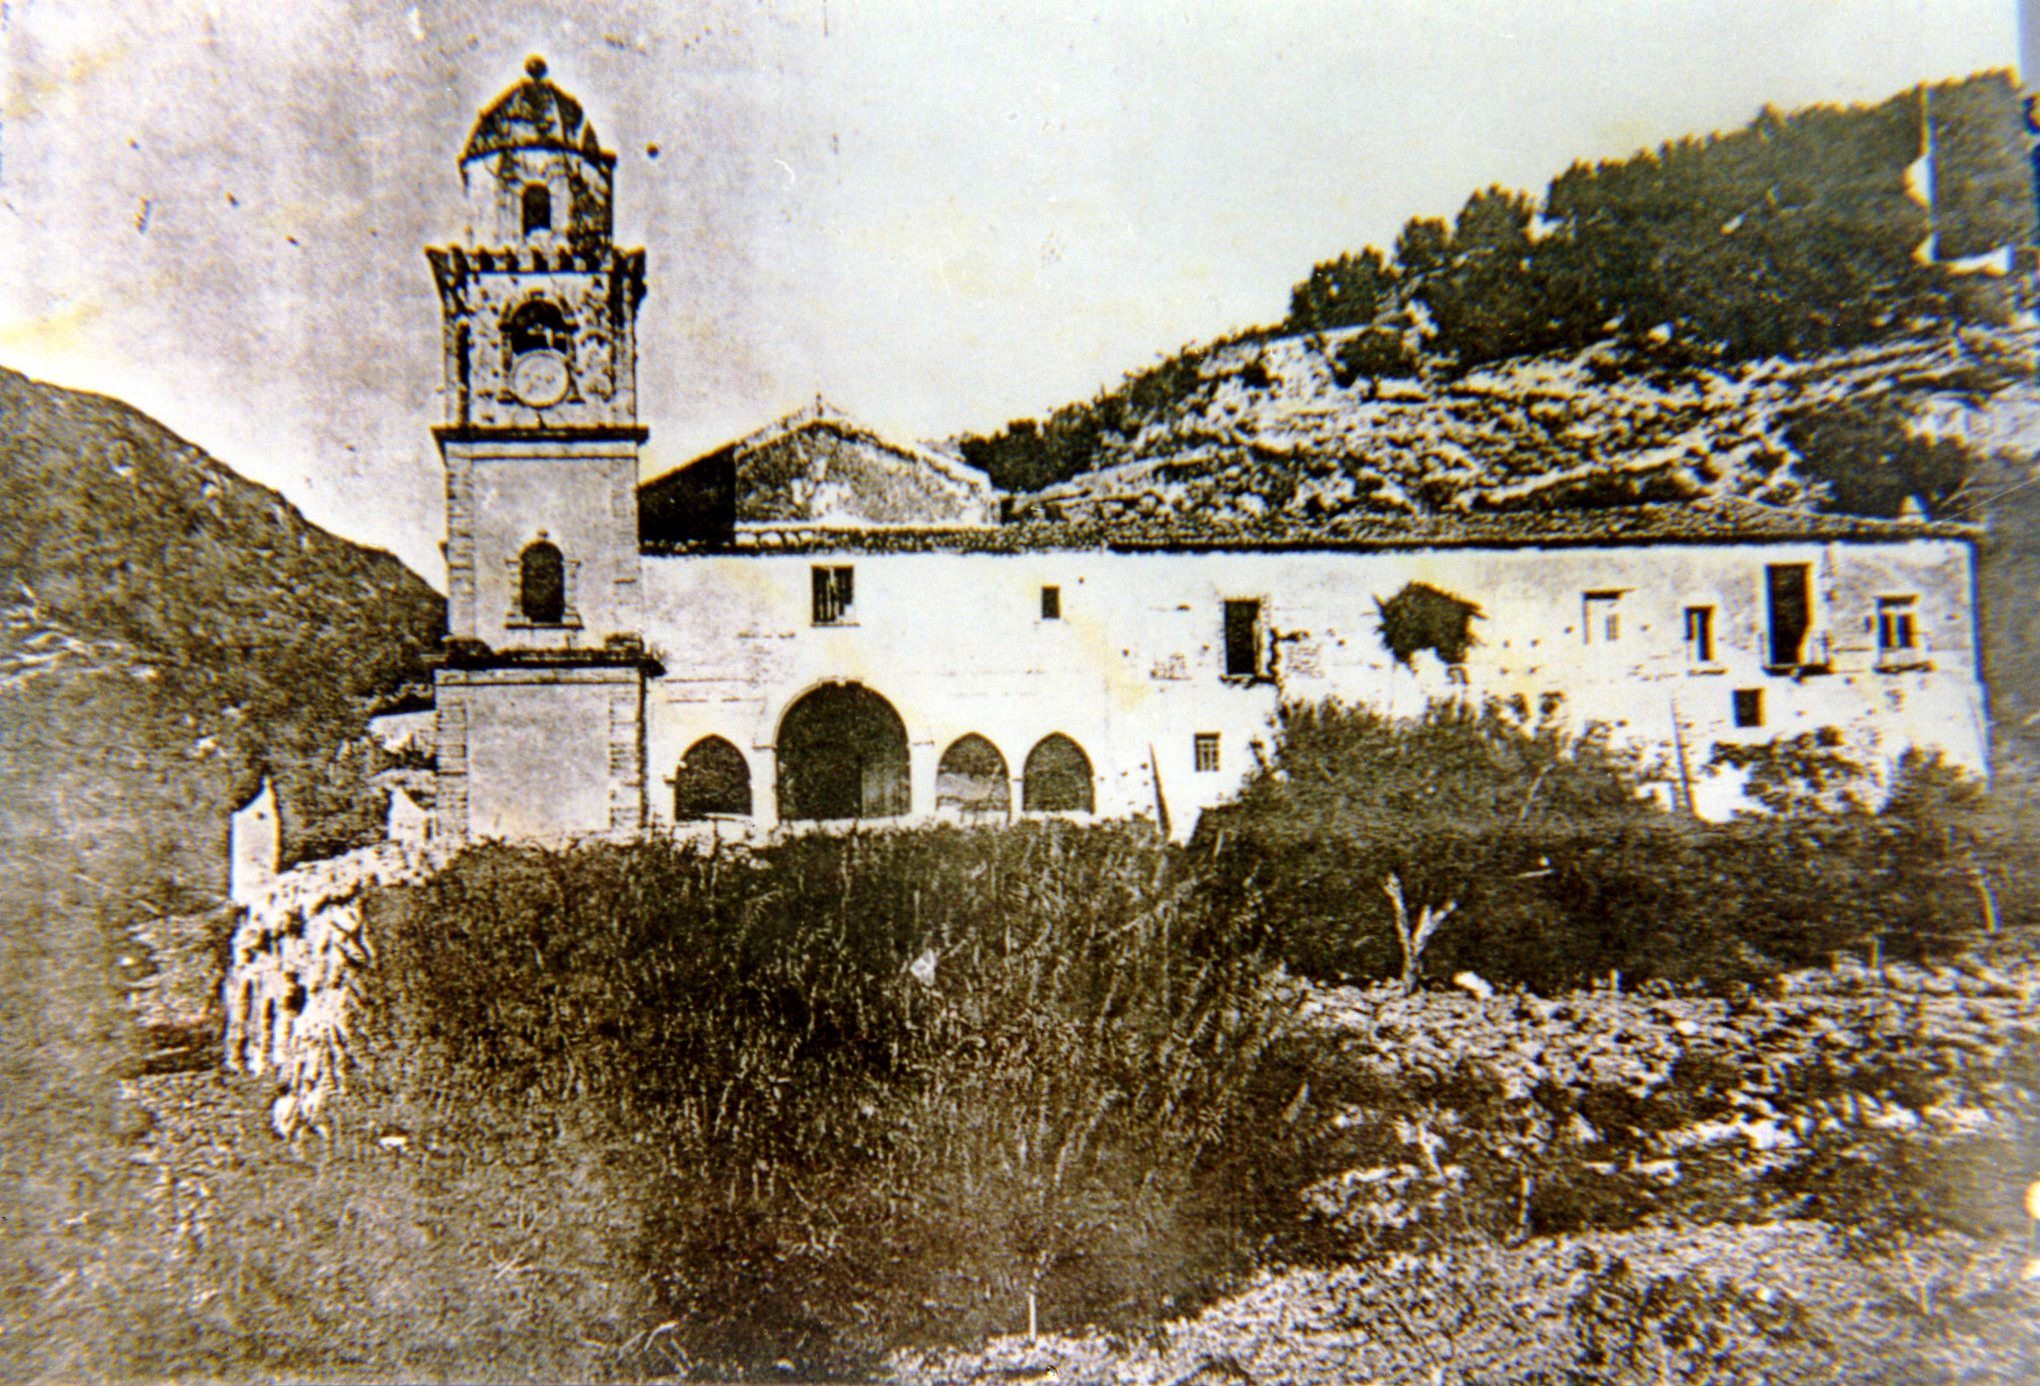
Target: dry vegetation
(823, 1109)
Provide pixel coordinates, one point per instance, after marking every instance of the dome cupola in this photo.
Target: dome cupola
(534, 170)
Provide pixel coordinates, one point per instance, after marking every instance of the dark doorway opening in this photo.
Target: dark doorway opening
(714, 780)
(842, 754)
(1058, 777)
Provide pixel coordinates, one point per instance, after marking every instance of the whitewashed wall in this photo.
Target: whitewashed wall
(1134, 669)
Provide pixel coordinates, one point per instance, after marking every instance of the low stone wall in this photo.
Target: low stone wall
(296, 974)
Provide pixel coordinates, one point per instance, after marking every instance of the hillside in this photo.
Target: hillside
(170, 631)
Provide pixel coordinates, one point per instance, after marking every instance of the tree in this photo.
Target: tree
(1346, 292)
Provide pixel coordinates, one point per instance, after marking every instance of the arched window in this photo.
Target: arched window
(538, 325)
(714, 779)
(542, 584)
(971, 779)
(842, 754)
(537, 209)
(1058, 777)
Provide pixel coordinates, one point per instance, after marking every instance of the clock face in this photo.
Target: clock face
(539, 378)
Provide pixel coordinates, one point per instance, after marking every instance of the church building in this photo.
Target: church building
(815, 624)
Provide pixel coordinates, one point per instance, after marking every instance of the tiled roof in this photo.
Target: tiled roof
(1708, 521)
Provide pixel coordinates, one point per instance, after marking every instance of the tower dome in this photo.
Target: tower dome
(534, 170)
(534, 114)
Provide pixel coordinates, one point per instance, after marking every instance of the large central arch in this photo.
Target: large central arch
(842, 754)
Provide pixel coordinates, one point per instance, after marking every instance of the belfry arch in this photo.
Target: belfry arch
(842, 753)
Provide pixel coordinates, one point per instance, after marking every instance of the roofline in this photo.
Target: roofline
(862, 541)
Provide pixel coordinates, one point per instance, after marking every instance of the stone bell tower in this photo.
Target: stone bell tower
(540, 692)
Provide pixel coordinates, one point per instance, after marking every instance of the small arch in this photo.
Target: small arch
(538, 324)
(842, 754)
(714, 780)
(537, 209)
(1057, 778)
(971, 779)
(542, 584)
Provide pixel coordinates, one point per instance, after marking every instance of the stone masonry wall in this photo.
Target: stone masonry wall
(296, 974)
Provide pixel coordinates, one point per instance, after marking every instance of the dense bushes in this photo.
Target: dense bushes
(851, 1091)
(1560, 872)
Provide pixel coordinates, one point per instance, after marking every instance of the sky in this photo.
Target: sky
(940, 216)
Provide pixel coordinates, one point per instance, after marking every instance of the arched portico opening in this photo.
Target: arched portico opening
(713, 781)
(1058, 777)
(971, 780)
(842, 754)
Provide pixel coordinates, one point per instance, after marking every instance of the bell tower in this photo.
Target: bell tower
(544, 668)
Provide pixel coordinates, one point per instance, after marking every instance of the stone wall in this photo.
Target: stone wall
(296, 975)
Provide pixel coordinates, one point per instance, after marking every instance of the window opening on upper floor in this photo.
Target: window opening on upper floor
(1788, 594)
(1749, 707)
(538, 325)
(1603, 617)
(542, 584)
(1204, 747)
(834, 591)
(1243, 658)
(1700, 634)
(1051, 603)
(537, 209)
(1896, 631)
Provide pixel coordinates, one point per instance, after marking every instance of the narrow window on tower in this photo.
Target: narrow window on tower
(1205, 747)
(834, 592)
(537, 209)
(1700, 634)
(1051, 603)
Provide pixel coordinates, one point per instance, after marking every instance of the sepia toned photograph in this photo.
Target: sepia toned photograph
(1115, 692)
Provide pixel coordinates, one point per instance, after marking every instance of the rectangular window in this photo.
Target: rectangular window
(1749, 707)
(1207, 751)
(1051, 603)
(1242, 639)
(833, 595)
(1788, 593)
(1700, 634)
(1895, 631)
(1603, 617)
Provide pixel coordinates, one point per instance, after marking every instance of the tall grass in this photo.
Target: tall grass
(850, 1092)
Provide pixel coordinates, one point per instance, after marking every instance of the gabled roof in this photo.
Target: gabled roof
(815, 468)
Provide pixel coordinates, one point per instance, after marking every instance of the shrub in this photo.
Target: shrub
(1561, 872)
(850, 1091)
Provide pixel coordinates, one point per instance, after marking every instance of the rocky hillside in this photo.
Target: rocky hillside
(172, 630)
(1276, 427)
